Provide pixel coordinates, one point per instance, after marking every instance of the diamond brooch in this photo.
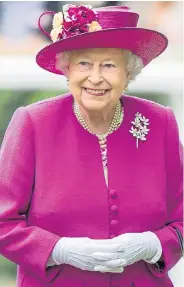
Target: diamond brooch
(140, 128)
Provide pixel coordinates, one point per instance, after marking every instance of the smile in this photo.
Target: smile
(96, 92)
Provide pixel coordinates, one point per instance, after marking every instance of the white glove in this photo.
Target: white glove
(137, 246)
(78, 252)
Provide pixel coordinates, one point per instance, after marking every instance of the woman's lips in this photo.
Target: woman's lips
(96, 92)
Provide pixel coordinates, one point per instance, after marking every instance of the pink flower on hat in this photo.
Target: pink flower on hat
(82, 14)
(73, 21)
(77, 19)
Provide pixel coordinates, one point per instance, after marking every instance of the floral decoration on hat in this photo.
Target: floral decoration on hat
(74, 20)
(140, 129)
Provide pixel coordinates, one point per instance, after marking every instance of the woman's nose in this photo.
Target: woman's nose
(95, 76)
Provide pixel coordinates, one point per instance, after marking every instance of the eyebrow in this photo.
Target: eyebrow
(108, 59)
(86, 56)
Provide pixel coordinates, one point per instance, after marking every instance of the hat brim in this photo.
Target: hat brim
(145, 43)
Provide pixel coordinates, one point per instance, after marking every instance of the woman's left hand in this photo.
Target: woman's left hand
(136, 246)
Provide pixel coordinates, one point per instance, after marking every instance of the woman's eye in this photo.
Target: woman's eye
(109, 65)
(83, 63)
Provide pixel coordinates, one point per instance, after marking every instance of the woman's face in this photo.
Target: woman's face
(97, 77)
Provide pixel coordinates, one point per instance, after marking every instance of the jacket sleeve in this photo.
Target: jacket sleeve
(171, 235)
(29, 247)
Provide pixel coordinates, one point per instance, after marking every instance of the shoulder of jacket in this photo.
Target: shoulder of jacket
(144, 102)
(45, 110)
(145, 106)
(49, 106)
(49, 103)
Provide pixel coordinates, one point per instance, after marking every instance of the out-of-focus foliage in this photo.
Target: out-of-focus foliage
(7, 268)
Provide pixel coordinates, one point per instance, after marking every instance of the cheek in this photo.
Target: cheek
(76, 78)
(75, 89)
(121, 80)
(117, 81)
(75, 83)
(116, 74)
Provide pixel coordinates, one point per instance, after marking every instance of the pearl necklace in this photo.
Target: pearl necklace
(116, 122)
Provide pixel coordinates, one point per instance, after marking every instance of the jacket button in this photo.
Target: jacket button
(114, 208)
(112, 193)
(114, 222)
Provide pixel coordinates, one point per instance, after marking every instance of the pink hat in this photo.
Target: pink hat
(79, 27)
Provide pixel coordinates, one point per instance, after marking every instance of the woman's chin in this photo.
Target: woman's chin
(92, 104)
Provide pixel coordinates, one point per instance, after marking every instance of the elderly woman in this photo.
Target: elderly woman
(91, 181)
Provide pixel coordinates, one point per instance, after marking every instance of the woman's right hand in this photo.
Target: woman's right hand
(78, 253)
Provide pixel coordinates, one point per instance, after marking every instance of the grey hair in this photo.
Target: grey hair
(133, 63)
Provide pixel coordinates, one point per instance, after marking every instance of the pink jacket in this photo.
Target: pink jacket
(52, 185)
